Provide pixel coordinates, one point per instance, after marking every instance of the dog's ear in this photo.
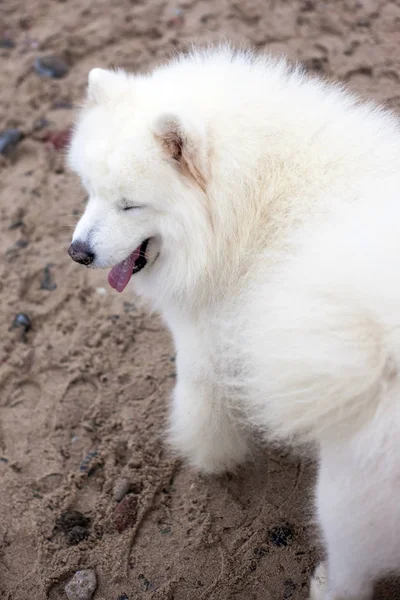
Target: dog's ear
(103, 84)
(186, 149)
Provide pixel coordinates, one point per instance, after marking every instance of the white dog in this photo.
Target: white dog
(259, 211)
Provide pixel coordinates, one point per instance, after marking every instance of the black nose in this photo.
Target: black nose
(81, 253)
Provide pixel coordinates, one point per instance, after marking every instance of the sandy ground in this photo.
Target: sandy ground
(84, 391)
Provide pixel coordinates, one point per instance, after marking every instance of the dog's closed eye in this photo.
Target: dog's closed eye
(128, 206)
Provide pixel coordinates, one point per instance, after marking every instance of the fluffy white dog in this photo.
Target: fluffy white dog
(259, 211)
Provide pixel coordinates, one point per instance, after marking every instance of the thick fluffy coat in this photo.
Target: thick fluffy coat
(264, 208)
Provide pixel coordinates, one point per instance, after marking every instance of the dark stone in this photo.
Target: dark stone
(9, 138)
(290, 587)
(123, 597)
(129, 307)
(125, 513)
(47, 282)
(16, 224)
(59, 139)
(7, 42)
(13, 252)
(318, 64)
(51, 66)
(62, 105)
(146, 583)
(260, 552)
(86, 465)
(22, 321)
(307, 6)
(77, 535)
(40, 123)
(71, 519)
(136, 488)
(281, 536)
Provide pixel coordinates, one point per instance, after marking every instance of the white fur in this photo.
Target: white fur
(278, 274)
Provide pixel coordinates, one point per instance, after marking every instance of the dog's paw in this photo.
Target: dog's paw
(208, 457)
(318, 586)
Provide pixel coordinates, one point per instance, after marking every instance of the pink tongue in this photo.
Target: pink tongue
(120, 275)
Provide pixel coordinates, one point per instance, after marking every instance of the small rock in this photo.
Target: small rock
(123, 597)
(77, 535)
(129, 307)
(13, 251)
(307, 6)
(9, 138)
(62, 105)
(16, 224)
(58, 139)
(290, 587)
(260, 552)
(25, 22)
(22, 321)
(164, 528)
(136, 488)
(7, 42)
(125, 514)
(146, 583)
(121, 488)
(69, 519)
(281, 536)
(317, 63)
(40, 124)
(82, 586)
(177, 20)
(47, 282)
(51, 66)
(86, 465)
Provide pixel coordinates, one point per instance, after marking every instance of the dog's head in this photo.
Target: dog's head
(145, 169)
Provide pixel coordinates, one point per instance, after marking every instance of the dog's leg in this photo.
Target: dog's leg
(319, 583)
(202, 430)
(319, 587)
(352, 523)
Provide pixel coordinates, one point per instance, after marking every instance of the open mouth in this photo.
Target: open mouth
(120, 274)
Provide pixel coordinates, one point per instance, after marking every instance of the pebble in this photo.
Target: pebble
(178, 19)
(129, 307)
(16, 224)
(59, 139)
(13, 251)
(51, 66)
(7, 42)
(23, 321)
(62, 105)
(123, 597)
(281, 536)
(40, 123)
(70, 519)
(9, 138)
(121, 488)
(82, 586)
(77, 535)
(125, 514)
(47, 282)
(146, 583)
(86, 466)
